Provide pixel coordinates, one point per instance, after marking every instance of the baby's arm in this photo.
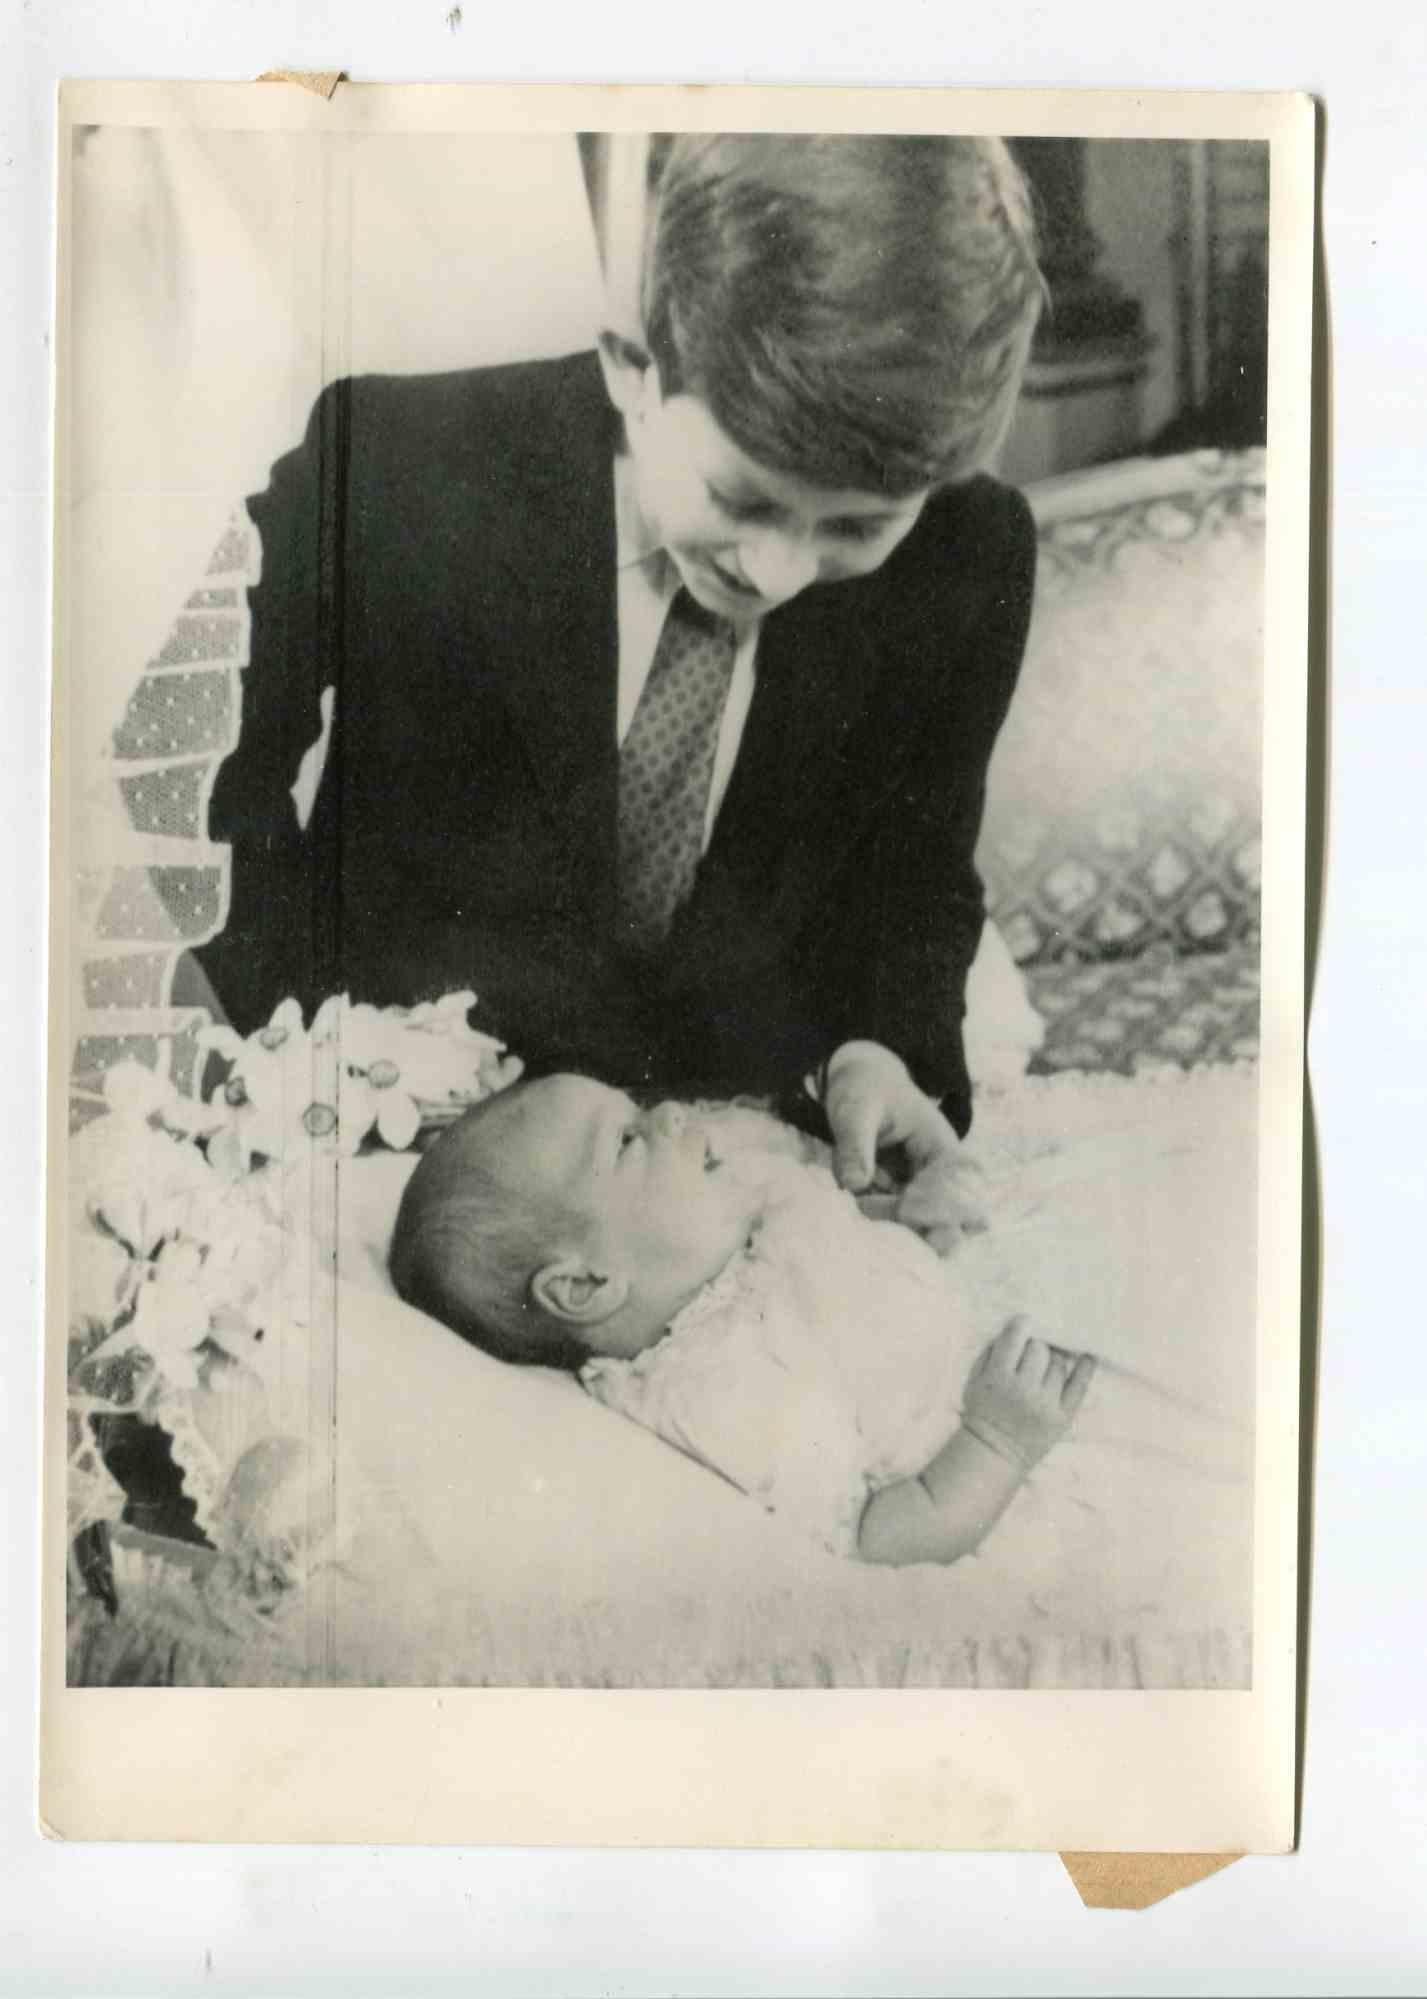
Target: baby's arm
(1020, 1397)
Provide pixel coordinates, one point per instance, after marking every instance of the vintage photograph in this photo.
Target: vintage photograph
(661, 991)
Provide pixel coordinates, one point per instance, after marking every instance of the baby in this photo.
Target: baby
(701, 1272)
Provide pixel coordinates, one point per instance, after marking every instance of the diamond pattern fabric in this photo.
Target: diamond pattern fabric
(665, 768)
(147, 886)
(1165, 1009)
(1123, 813)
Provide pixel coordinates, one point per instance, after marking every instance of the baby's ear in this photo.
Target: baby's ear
(577, 1295)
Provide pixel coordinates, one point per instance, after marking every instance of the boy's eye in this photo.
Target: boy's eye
(628, 1136)
(742, 510)
(856, 529)
(850, 528)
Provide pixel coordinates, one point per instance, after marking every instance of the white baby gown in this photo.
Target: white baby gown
(828, 1359)
(825, 1361)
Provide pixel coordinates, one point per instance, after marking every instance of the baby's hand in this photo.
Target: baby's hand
(1023, 1393)
(945, 1203)
(942, 1207)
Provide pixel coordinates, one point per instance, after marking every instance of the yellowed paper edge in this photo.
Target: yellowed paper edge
(1138, 1880)
(321, 82)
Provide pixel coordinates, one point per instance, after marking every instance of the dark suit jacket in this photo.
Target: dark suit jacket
(441, 551)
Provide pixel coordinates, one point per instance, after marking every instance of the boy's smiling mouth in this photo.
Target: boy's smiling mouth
(730, 582)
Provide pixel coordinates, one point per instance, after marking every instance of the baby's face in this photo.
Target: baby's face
(647, 1195)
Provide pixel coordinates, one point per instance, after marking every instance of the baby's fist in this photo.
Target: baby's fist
(945, 1203)
(1022, 1394)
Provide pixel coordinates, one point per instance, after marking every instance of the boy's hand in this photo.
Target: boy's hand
(872, 1105)
(1023, 1393)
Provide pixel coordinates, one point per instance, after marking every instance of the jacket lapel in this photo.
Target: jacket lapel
(817, 671)
(551, 622)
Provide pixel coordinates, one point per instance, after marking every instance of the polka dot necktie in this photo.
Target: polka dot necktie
(665, 766)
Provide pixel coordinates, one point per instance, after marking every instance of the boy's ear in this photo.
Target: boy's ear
(573, 1293)
(629, 373)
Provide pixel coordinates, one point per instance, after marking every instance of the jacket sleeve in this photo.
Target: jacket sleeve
(922, 903)
(345, 898)
(277, 939)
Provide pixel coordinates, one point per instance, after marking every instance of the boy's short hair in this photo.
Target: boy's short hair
(465, 1249)
(855, 311)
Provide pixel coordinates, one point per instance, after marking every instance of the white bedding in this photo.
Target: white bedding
(496, 1525)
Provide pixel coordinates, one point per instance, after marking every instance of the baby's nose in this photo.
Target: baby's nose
(668, 1120)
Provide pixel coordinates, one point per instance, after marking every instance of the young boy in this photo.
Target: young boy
(705, 1280)
(472, 582)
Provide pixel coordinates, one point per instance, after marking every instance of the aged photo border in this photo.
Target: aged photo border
(1211, 1771)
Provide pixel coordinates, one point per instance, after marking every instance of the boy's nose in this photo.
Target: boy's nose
(778, 565)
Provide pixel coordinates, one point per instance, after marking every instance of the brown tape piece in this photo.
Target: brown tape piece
(1138, 1880)
(321, 81)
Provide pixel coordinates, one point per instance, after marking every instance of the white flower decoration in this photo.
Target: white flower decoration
(185, 1259)
(358, 1068)
(139, 1095)
(281, 1093)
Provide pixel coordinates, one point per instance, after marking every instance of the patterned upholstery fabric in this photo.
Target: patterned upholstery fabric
(1121, 843)
(1157, 1011)
(1121, 849)
(1124, 799)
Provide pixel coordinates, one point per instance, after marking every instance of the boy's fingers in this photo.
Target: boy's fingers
(929, 1140)
(850, 1168)
(854, 1110)
(1078, 1386)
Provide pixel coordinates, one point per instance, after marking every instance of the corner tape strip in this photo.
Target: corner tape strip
(1138, 1880)
(322, 82)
